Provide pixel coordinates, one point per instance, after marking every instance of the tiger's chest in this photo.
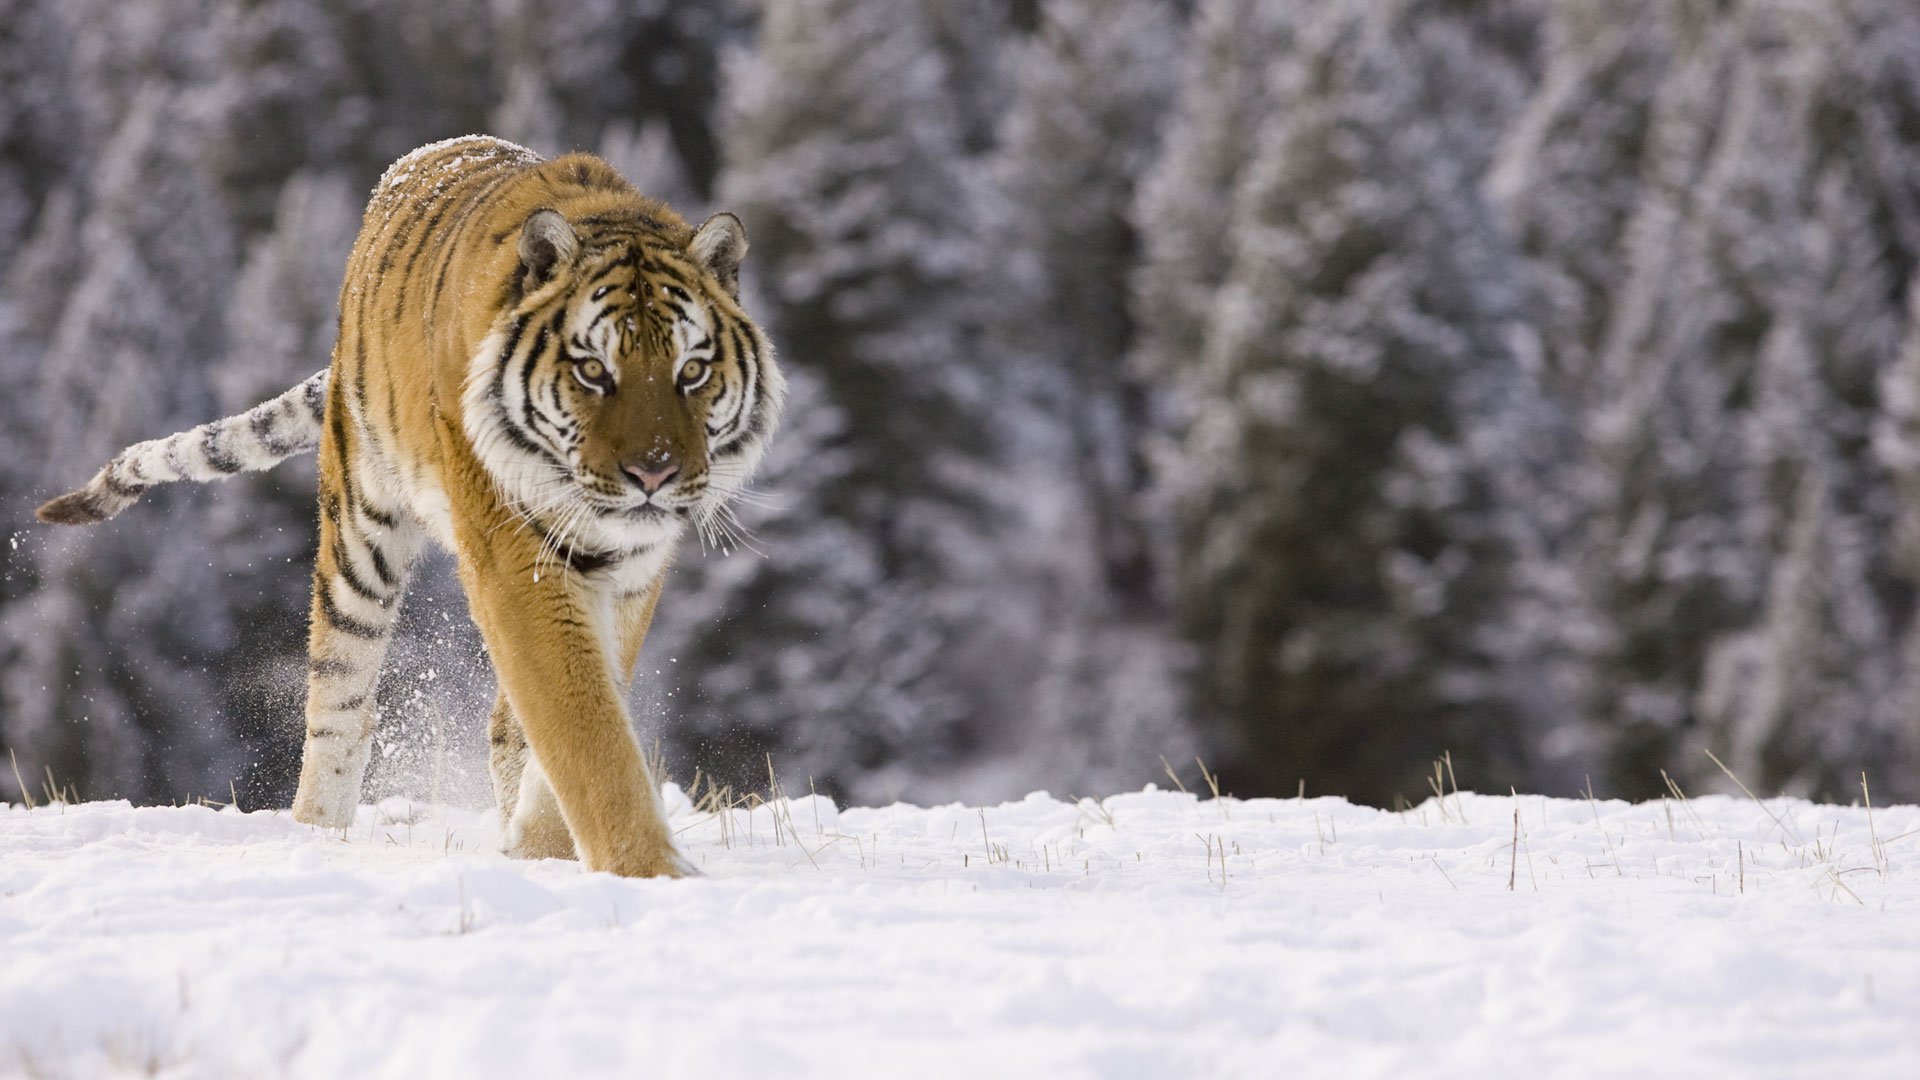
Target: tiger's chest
(606, 552)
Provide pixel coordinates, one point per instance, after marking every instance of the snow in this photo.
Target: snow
(400, 172)
(1148, 934)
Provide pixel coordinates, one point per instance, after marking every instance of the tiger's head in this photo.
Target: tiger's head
(624, 393)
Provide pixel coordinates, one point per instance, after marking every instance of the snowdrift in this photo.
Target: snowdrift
(1148, 934)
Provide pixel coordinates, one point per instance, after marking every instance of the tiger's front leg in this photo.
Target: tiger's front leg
(549, 636)
(531, 824)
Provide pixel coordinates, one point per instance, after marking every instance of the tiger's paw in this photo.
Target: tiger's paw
(539, 837)
(647, 861)
(327, 809)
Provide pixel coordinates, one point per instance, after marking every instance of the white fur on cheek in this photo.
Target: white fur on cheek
(485, 422)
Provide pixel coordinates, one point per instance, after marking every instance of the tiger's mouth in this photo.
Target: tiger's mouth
(660, 506)
(653, 511)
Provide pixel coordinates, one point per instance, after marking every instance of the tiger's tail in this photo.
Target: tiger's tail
(257, 439)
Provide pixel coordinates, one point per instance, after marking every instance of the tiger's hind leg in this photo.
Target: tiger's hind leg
(506, 756)
(366, 556)
(531, 826)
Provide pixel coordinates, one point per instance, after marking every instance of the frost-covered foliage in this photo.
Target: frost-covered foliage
(179, 184)
(868, 259)
(1090, 91)
(1352, 429)
(1676, 558)
(279, 330)
(1568, 175)
(1186, 199)
(1315, 386)
(1737, 562)
(565, 74)
(117, 642)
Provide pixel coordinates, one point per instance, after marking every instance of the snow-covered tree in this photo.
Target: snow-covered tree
(1832, 602)
(113, 681)
(1352, 433)
(1872, 107)
(1897, 448)
(676, 62)
(285, 96)
(279, 328)
(118, 54)
(971, 39)
(1744, 598)
(565, 73)
(1852, 240)
(847, 652)
(1897, 439)
(1808, 696)
(428, 70)
(37, 147)
(1091, 91)
(1677, 556)
(644, 153)
(33, 290)
(1185, 201)
(1567, 177)
(1377, 540)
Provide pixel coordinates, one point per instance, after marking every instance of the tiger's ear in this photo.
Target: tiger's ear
(719, 245)
(547, 244)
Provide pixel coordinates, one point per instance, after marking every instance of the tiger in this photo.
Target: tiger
(550, 375)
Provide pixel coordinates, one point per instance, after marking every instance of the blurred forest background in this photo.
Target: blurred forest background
(1313, 386)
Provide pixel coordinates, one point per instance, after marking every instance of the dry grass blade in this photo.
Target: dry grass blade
(1777, 820)
(1437, 783)
(1213, 786)
(1594, 805)
(1879, 849)
(57, 793)
(782, 809)
(1513, 853)
(1841, 886)
(25, 795)
(1174, 776)
(1686, 803)
(1099, 808)
(1212, 779)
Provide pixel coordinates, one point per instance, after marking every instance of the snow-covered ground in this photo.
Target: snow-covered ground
(1152, 934)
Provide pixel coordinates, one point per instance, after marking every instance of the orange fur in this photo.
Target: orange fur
(479, 266)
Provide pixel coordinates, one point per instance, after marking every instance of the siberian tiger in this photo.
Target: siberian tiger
(551, 375)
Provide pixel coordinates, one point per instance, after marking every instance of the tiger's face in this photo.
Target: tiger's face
(627, 394)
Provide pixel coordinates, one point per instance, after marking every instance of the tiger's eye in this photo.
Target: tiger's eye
(593, 369)
(692, 370)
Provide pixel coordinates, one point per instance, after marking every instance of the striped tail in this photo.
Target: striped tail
(257, 439)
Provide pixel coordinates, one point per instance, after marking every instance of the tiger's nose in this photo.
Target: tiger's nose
(652, 471)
